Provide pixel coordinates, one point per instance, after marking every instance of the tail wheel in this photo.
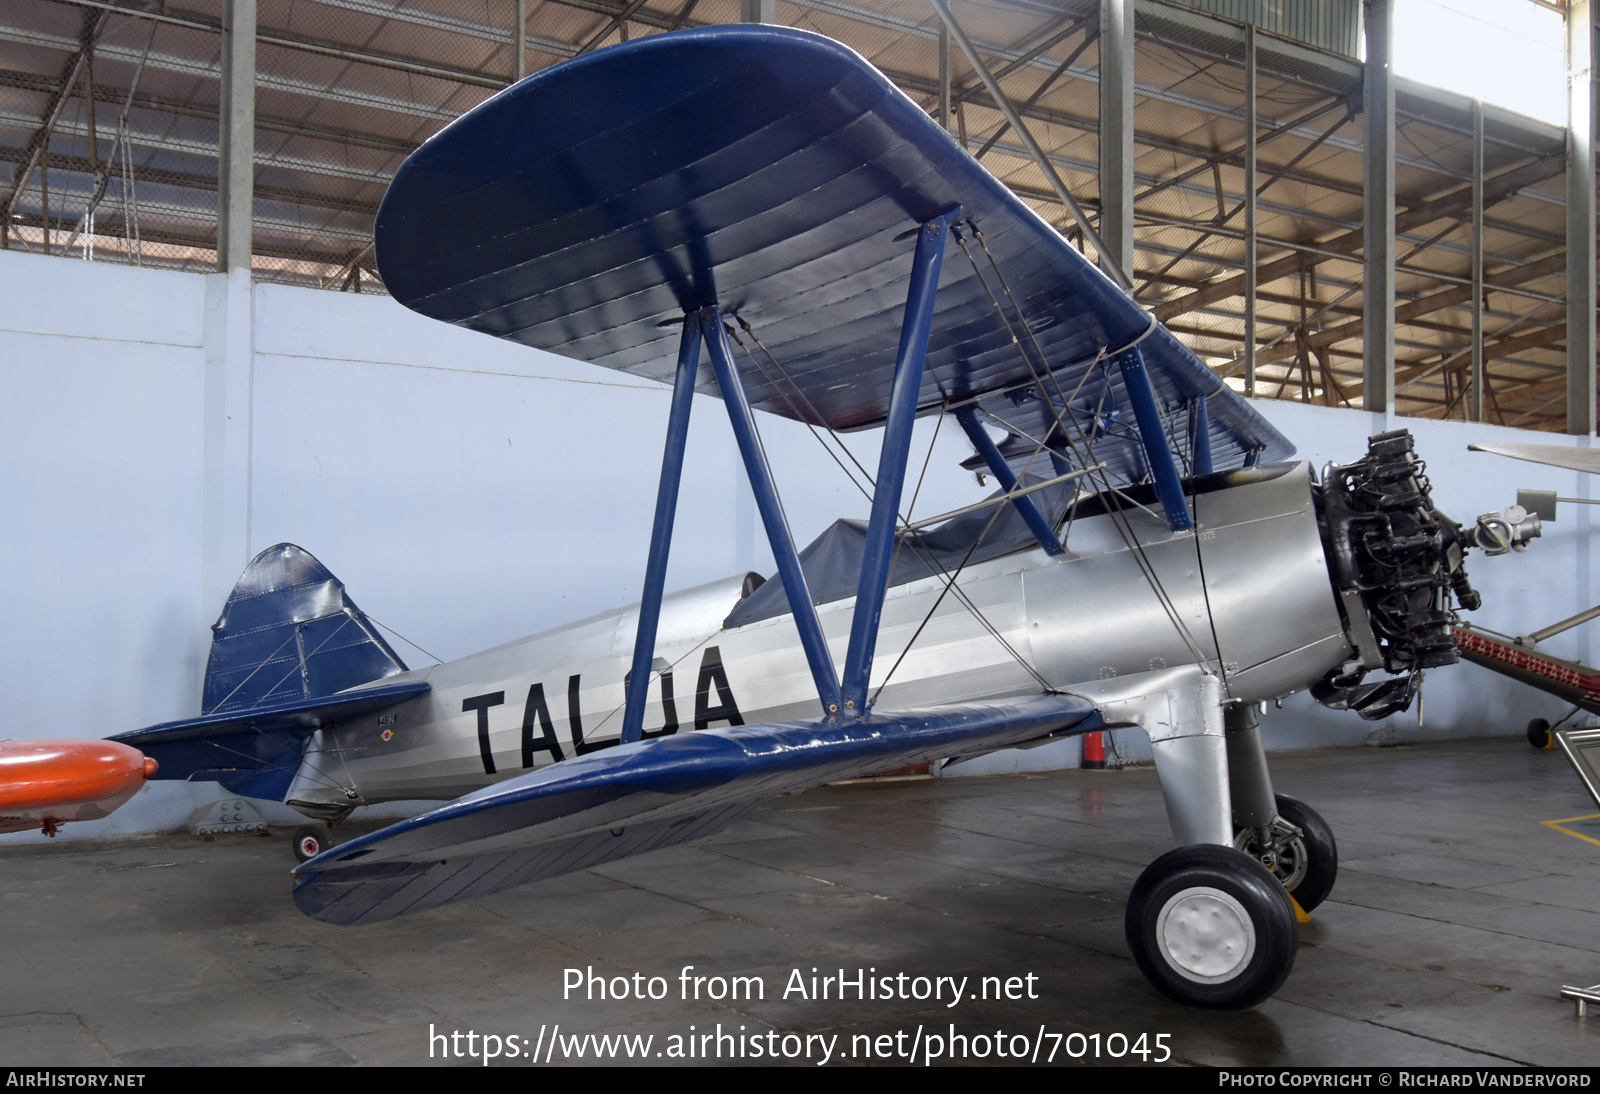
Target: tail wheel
(1299, 852)
(1539, 733)
(311, 841)
(1210, 927)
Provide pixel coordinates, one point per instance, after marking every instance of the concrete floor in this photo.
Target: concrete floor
(1456, 918)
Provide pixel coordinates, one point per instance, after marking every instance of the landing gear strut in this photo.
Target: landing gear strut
(1287, 837)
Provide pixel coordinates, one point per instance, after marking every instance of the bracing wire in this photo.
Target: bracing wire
(1069, 427)
(932, 563)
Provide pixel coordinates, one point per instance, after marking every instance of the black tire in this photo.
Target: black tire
(1307, 866)
(1539, 733)
(1195, 961)
(1322, 853)
(311, 841)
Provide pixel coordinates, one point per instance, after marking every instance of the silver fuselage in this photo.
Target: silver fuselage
(1250, 586)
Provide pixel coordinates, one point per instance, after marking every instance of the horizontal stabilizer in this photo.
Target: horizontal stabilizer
(256, 751)
(639, 797)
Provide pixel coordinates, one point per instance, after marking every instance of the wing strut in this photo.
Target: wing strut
(706, 325)
(1201, 424)
(1158, 454)
(756, 467)
(1036, 521)
(878, 552)
(655, 573)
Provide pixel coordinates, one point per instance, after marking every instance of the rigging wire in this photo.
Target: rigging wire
(402, 637)
(935, 567)
(1119, 520)
(756, 338)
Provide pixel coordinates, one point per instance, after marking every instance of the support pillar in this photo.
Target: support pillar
(1580, 219)
(237, 139)
(229, 325)
(758, 11)
(519, 42)
(1475, 377)
(1250, 211)
(1377, 309)
(228, 338)
(1116, 133)
(944, 77)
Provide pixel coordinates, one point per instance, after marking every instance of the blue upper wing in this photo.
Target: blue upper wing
(775, 173)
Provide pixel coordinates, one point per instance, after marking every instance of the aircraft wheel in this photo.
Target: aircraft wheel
(311, 841)
(1210, 927)
(1305, 864)
(1539, 733)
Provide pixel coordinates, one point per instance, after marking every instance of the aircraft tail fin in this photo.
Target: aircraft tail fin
(289, 632)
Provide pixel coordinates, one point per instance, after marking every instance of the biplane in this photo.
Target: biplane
(757, 214)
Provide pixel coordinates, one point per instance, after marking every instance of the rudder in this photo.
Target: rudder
(288, 631)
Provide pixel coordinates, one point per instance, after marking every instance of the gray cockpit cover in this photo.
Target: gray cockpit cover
(832, 561)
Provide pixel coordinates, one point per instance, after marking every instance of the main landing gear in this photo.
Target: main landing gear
(1210, 927)
(1214, 926)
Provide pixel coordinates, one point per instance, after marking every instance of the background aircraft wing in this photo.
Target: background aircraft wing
(640, 797)
(777, 174)
(1554, 455)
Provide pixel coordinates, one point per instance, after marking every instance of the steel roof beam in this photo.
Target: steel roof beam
(646, 17)
(38, 144)
(906, 80)
(208, 184)
(1209, 227)
(1108, 259)
(1439, 301)
(209, 150)
(1493, 350)
(109, 93)
(1498, 189)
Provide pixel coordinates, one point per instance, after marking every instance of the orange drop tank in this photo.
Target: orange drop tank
(50, 782)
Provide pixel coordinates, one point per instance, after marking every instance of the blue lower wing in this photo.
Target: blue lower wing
(640, 797)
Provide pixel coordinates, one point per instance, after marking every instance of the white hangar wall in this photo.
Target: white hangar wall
(158, 429)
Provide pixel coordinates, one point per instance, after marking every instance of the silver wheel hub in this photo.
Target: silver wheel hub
(1206, 935)
(1284, 853)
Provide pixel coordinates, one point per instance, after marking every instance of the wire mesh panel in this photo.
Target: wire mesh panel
(108, 142)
